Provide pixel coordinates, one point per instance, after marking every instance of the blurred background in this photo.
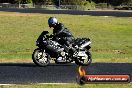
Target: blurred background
(69, 4)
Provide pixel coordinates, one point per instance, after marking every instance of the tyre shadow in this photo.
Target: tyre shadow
(33, 65)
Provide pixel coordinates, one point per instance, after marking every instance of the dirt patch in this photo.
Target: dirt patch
(16, 61)
(16, 14)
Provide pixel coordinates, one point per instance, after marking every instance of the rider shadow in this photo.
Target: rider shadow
(33, 65)
(18, 64)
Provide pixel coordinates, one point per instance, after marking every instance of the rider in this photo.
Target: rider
(60, 33)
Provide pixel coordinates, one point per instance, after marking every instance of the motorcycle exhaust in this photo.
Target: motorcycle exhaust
(85, 44)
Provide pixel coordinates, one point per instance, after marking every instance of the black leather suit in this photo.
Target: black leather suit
(62, 35)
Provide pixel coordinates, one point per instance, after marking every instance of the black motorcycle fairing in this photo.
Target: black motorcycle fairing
(40, 41)
(80, 41)
(40, 38)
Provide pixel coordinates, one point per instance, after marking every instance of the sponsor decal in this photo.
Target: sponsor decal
(82, 78)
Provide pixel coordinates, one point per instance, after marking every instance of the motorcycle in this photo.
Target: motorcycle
(49, 49)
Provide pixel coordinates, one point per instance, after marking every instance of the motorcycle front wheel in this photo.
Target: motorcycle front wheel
(40, 58)
(84, 62)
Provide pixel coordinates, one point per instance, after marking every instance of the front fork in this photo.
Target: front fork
(43, 53)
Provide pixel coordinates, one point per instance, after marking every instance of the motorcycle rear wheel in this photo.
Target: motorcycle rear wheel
(81, 62)
(40, 58)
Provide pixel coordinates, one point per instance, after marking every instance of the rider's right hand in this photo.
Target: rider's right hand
(51, 36)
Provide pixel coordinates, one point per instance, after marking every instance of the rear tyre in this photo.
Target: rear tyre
(84, 62)
(40, 58)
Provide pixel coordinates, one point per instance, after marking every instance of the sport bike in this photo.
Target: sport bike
(50, 51)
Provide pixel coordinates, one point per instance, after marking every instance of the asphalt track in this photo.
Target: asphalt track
(26, 73)
(72, 12)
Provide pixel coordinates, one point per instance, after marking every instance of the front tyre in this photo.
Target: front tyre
(40, 58)
(84, 62)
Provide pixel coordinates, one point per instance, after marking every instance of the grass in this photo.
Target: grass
(111, 36)
(70, 86)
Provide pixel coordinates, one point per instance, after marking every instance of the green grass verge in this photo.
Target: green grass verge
(70, 86)
(111, 36)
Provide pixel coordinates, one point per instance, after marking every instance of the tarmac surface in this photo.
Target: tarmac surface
(115, 13)
(26, 73)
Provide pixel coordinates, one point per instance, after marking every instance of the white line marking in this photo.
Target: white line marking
(6, 84)
(113, 62)
(43, 84)
(55, 83)
(37, 83)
